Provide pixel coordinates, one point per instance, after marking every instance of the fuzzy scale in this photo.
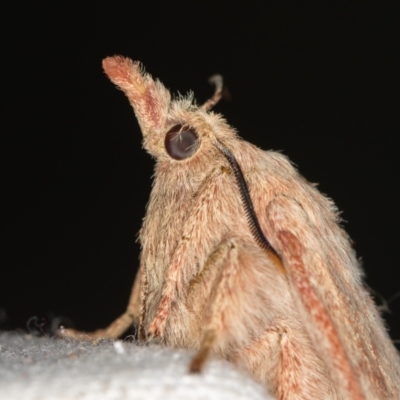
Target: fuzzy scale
(311, 332)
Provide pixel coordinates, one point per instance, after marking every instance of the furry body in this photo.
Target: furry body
(299, 319)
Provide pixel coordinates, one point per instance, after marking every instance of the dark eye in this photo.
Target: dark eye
(180, 142)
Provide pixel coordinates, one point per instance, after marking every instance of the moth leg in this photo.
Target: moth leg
(173, 273)
(218, 274)
(199, 360)
(119, 325)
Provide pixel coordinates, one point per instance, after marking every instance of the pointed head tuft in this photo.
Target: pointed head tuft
(148, 97)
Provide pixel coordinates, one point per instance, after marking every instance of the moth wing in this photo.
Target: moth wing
(337, 311)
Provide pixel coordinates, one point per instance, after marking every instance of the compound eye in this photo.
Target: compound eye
(180, 142)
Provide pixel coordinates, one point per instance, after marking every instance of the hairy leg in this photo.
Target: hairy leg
(217, 279)
(119, 325)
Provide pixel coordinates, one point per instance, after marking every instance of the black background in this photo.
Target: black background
(317, 80)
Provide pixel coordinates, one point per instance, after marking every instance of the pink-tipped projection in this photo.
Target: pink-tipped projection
(149, 98)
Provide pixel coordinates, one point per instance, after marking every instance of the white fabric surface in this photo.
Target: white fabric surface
(46, 368)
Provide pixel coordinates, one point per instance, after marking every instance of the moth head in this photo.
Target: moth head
(172, 129)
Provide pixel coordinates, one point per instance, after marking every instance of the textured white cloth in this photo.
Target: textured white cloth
(45, 368)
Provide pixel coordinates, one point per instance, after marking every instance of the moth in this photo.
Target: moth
(244, 259)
